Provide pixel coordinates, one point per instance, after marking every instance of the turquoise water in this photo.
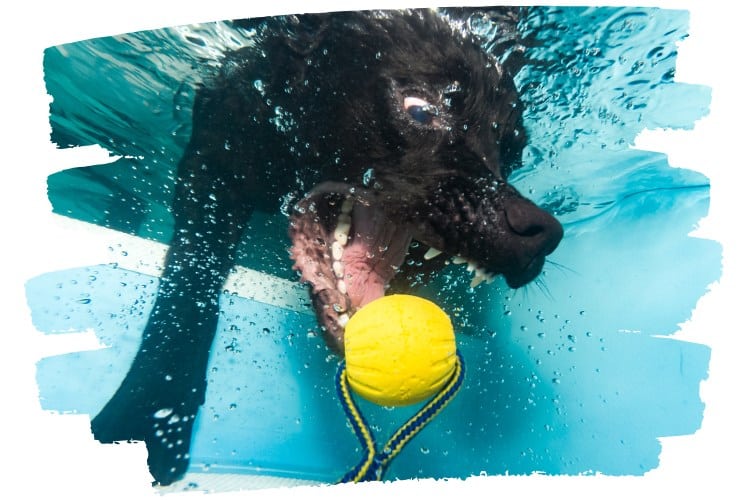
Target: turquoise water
(574, 375)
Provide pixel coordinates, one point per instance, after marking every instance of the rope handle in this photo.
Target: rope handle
(373, 465)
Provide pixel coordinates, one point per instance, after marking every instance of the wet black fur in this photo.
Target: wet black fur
(328, 107)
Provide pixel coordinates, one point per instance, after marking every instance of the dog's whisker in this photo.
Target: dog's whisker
(541, 285)
(562, 267)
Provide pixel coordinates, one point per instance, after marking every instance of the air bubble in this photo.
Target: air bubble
(368, 177)
(163, 413)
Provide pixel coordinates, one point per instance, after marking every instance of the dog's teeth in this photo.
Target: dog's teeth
(459, 260)
(341, 233)
(432, 253)
(341, 238)
(344, 223)
(343, 320)
(337, 250)
(481, 276)
(338, 268)
(476, 281)
(341, 286)
(347, 205)
(488, 278)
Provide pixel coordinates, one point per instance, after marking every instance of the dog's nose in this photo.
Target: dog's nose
(529, 221)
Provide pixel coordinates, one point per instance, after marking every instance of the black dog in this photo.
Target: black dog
(394, 127)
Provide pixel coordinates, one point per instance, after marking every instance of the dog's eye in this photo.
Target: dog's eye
(420, 110)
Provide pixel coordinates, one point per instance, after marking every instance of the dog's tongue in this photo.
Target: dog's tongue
(374, 252)
(348, 250)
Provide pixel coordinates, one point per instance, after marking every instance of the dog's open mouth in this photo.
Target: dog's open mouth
(348, 249)
(348, 252)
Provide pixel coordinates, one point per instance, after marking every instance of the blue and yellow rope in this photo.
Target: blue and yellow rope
(373, 466)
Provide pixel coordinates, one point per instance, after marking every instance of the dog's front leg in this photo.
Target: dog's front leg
(159, 398)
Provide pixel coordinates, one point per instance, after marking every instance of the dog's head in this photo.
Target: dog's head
(415, 129)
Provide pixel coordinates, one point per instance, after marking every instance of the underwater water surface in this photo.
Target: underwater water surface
(574, 374)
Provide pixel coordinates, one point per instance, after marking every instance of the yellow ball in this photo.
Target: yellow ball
(399, 350)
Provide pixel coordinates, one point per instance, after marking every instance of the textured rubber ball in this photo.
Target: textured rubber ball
(399, 350)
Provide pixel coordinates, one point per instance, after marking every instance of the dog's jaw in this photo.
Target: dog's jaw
(348, 242)
(348, 250)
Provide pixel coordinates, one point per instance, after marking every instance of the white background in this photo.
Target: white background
(44, 454)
